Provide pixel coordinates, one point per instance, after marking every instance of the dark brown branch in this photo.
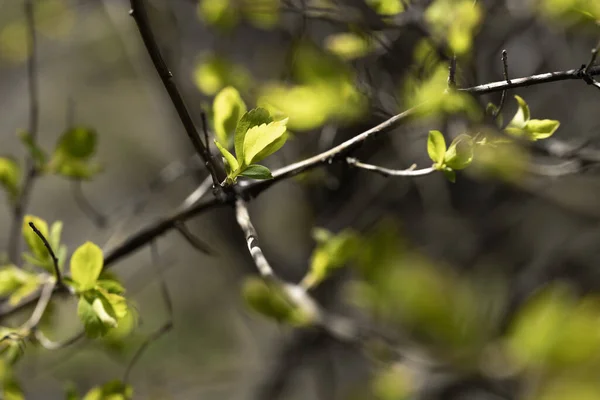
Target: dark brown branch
(85, 206)
(138, 12)
(505, 73)
(22, 201)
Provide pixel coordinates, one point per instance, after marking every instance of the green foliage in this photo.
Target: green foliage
(257, 136)
(532, 129)
(331, 253)
(71, 157)
(213, 72)
(323, 90)
(271, 301)
(101, 305)
(456, 157)
(228, 108)
(225, 14)
(386, 7)
(11, 389)
(113, 390)
(10, 176)
(220, 13)
(348, 46)
(263, 14)
(581, 13)
(38, 255)
(436, 99)
(17, 283)
(393, 383)
(456, 21)
(37, 154)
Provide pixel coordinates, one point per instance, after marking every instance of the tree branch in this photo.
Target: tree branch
(22, 201)
(390, 172)
(139, 14)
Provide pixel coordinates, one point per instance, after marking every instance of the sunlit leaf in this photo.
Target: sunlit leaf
(259, 137)
(348, 45)
(460, 153)
(255, 117)
(386, 7)
(86, 265)
(436, 146)
(10, 176)
(228, 108)
(34, 243)
(221, 13)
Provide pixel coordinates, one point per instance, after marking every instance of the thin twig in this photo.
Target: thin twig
(85, 206)
(163, 329)
(505, 73)
(148, 233)
(390, 172)
(50, 251)
(531, 80)
(193, 240)
(22, 201)
(138, 11)
(41, 306)
(452, 73)
(593, 57)
(53, 345)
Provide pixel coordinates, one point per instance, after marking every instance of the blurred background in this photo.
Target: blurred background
(513, 235)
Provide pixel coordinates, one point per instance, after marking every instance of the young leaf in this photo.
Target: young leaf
(232, 164)
(86, 265)
(386, 7)
(103, 311)
(436, 146)
(332, 252)
(541, 128)
(228, 108)
(94, 327)
(348, 46)
(522, 115)
(10, 176)
(460, 153)
(259, 137)
(255, 117)
(79, 143)
(29, 286)
(37, 154)
(35, 244)
(54, 235)
(111, 286)
(257, 172)
(449, 174)
(12, 278)
(272, 148)
(270, 301)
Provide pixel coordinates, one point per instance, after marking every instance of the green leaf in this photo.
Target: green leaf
(263, 14)
(37, 154)
(522, 115)
(252, 118)
(31, 285)
(113, 390)
(232, 164)
(228, 108)
(54, 235)
(449, 174)
(35, 244)
(257, 172)
(259, 137)
(10, 176)
(332, 252)
(348, 46)
(273, 147)
(221, 13)
(386, 7)
(93, 324)
(111, 286)
(460, 153)
(11, 278)
(86, 265)
(271, 301)
(541, 128)
(79, 143)
(436, 146)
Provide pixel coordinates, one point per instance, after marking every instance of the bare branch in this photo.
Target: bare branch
(138, 11)
(505, 73)
(50, 251)
(390, 172)
(22, 201)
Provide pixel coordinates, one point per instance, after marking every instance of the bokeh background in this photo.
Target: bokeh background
(94, 71)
